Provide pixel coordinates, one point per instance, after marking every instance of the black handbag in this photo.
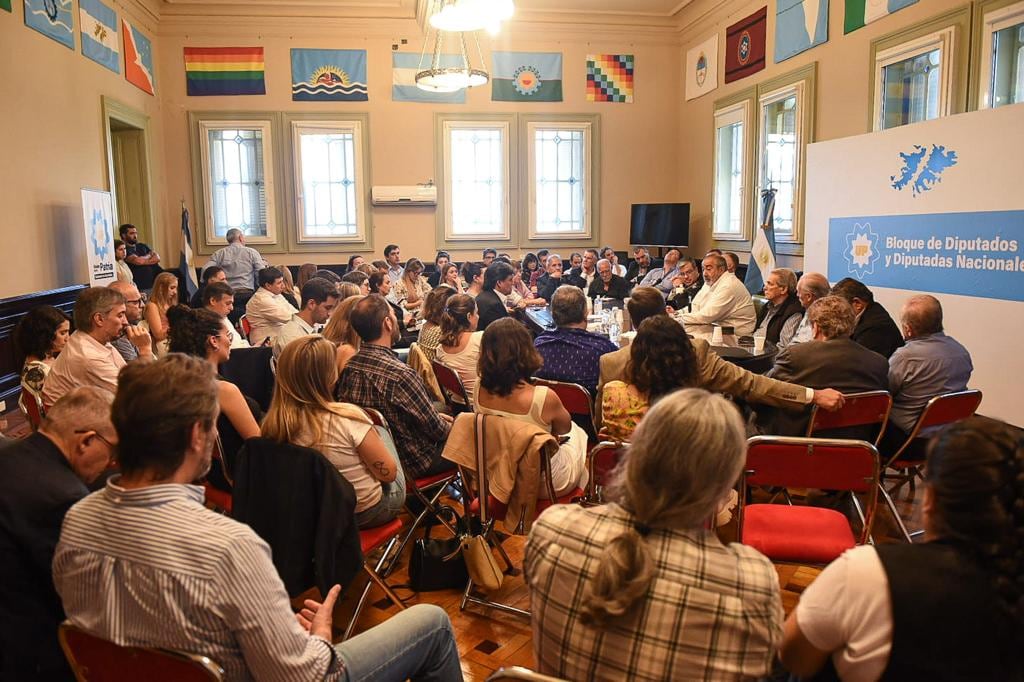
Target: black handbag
(437, 563)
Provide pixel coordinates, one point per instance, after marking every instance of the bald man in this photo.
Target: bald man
(930, 364)
(809, 288)
(132, 312)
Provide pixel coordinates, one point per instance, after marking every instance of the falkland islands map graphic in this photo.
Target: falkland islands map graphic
(923, 168)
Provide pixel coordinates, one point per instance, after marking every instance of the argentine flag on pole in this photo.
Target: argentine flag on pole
(762, 253)
(188, 272)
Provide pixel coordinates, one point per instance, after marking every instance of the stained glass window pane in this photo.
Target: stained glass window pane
(729, 179)
(911, 89)
(238, 192)
(1007, 85)
(477, 181)
(780, 159)
(329, 184)
(560, 181)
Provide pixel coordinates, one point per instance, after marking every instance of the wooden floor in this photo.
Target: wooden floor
(489, 639)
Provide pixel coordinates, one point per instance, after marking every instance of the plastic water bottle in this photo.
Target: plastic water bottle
(597, 305)
(614, 330)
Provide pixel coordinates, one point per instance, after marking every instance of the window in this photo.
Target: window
(781, 142)
(913, 80)
(559, 172)
(476, 180)
(238, 184)
(328, 180)
(1002, 57)
(730, 195)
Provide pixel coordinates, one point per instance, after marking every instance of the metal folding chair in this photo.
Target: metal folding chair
(576, 400)
(452, 387)
(32, 408)
(805, 534)
(860, 409)
(370, 540)
(94, 659)
(602, 460)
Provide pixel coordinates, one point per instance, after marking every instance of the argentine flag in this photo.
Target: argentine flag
(762, 252)
(188, 272)
(99, 34)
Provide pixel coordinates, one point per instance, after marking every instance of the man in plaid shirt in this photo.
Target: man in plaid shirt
(376, 378)
(639, 589)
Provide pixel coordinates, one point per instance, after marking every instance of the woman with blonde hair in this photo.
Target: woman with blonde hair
(163, 296)
(459, 346)
(411, 289)
(339, 331)
(433, 309)
(640, 588)
(303, 412)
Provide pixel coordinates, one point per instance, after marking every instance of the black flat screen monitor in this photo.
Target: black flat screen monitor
(660, 225)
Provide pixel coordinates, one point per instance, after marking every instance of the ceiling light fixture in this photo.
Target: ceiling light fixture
(460, 16)
(451, 72)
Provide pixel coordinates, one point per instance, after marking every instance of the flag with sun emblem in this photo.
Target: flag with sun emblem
(526, 76)
(99, 34)
(745, 46)
(329, 75)
(610, 78)
(52, 18)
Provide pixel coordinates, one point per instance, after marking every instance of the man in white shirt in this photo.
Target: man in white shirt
(723, 300)
(267, 311)
(318, 300)
(241, 263)
(89, 359)
(219, 298)
(809, 288)
(393, 256)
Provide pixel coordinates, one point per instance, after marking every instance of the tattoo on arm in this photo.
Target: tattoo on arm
(381, 468)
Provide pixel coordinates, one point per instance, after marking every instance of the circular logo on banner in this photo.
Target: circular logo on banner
(743, 49)
(329, 75)
(526, 80)
(702, 69)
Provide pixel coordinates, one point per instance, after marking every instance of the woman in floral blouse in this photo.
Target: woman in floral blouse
(39, 337)
(411, 290)
(661, 360)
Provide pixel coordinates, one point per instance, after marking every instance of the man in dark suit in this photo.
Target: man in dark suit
(607, 283)
(875, 327)
(586, 273)
(40, 478)
(489, 306)
(639, 267)
(833, 360)
(554, 278)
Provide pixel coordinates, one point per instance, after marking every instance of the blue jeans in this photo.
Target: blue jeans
(415, 644)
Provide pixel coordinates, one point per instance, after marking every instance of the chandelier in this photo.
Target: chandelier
(456, 69)
(460, 16)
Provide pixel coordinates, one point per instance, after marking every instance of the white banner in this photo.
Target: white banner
(702, 68)
(98, 213)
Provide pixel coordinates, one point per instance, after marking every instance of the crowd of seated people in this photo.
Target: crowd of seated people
(612, 574)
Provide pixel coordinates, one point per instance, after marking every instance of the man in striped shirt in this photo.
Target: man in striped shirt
(144, 563)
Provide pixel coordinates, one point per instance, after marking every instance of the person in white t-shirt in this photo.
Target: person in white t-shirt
(303, 412)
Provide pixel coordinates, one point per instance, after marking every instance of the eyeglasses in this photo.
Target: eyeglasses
(113, 448)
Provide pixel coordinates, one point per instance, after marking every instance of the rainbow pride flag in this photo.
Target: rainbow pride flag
(224, 71)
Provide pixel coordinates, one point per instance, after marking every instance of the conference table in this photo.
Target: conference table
(539, 320)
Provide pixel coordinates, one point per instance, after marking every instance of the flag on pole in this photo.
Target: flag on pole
(762, 253)
(187, 271)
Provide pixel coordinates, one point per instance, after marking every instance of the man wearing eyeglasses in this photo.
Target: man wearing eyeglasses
(134, 302)
(40, 478)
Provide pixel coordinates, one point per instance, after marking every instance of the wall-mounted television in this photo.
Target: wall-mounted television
(660, 225)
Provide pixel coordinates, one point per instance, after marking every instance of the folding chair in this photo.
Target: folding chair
(909, 458)
(426, 489)
(601, 462)
(813, 535)
(489, 510)
(576, 400)
(32, 408)
(451, 386)
(371, 539)
(860, 409)
(244, 327)
(94, 659)
(219, 499)
(516, 672)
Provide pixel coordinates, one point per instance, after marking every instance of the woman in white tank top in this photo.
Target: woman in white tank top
(507, 362)
(460, 341)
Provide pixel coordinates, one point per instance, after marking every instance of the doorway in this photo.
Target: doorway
(128, 174)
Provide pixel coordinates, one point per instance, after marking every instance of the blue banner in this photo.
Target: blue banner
(970, 254)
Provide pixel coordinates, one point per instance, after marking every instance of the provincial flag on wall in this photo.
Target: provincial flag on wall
(745, 46)
(138, 58)
(99, 34)
(526, 76)
(799, 26)
(405, 66)
(859, 13)
(702, 68)
(52, 18)
(329, 75)
(610, 77)
(6, 4)
(224, 71)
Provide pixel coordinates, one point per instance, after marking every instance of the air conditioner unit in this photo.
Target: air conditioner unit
(404, 195)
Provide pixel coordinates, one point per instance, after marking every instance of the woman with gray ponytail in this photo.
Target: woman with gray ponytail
(949, 608)
(640, 588)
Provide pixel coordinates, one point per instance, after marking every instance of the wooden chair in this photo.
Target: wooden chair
(452, 387)
(601, 462)
(487, 509)
(576, 400)
(94, 659)
(909, 458)
(784, 532)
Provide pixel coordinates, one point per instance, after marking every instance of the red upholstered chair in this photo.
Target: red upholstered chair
(576, 400)
(860, 409)
(94, 659)
(813, 535)
(481, 504)
(427, 490)
(601, 462)
(909, 458)
(372, 539)
(32, 408)
(451, 386)
(244, 326)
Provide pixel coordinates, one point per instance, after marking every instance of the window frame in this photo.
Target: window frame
(954, 28)
(534, 124)
(355, 125)
(738, 109)
(942, 40)
(266, 127)
(990, 16)
(448, 126)
(764, 100)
